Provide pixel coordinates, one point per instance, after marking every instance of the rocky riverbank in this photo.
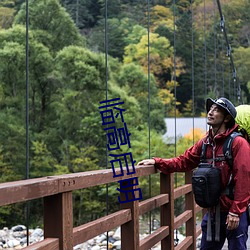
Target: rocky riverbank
(16, 238)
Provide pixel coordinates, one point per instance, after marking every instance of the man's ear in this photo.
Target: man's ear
(228, 118)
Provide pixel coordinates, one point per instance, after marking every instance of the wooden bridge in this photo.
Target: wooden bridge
(59, 233)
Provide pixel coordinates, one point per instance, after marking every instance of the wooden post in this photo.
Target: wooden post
(190, 205)
(167, 210)
(58, 219)
(130, 230)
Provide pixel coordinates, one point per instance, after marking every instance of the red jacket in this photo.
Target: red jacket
(241, 167)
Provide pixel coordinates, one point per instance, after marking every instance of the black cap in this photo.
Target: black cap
(223, 103)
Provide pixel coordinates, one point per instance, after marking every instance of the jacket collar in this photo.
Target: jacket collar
(221, 136)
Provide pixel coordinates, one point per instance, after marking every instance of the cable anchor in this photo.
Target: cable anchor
(229, 50)
(222, 23)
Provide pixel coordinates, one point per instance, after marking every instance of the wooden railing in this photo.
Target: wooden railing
(59, 232)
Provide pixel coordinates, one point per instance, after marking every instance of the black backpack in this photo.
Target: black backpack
(206, 179)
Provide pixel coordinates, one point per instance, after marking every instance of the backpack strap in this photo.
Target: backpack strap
(203, 155)
(227, 148)
(203, 152)
(227, 151)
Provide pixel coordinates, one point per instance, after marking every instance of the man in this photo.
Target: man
(221, 115)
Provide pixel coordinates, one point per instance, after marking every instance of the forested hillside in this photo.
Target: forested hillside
(159, 58)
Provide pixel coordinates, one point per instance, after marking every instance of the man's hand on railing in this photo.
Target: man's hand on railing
(147, 162)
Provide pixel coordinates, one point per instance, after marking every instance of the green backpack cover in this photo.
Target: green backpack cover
(243, 119)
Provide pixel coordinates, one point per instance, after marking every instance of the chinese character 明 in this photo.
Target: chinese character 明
(129, 192)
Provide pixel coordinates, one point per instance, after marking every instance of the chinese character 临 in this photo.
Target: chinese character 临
(108, 114)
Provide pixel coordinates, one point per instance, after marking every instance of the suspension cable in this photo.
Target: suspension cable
(175, 95)
(229, 53)
(174, 75)
(221, 68)
(27, 88)
(27, 208)
(205, 50)
(215, 52)
(106, 83)
(192, 76)
(149, 121)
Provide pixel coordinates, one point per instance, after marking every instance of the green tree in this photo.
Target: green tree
(6, 17)
(242, 64)
(13, 60)
(237, 21)
(13, 148)
(161, 16)
(42, 163)
(53, 25)
(161, 57)
(136, 83)
(117, 31)
(84, 13)
(132, 9)
(79, 74)
(12, 113)
(40, 67)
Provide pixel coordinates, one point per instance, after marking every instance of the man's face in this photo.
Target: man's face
(215, 116)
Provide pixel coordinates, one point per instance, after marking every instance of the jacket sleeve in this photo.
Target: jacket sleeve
(241, 175)
(183, 163)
